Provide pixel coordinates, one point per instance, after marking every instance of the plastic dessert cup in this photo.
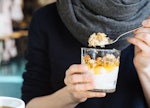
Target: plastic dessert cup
(104, 65)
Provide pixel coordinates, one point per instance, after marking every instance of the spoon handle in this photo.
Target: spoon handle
(125, 34)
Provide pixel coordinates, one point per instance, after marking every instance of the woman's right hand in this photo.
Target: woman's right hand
(78, 82)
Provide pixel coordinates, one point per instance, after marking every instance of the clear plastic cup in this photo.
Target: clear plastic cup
(104, 65)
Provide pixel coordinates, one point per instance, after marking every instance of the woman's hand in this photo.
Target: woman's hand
(78, 82)
(141, 40)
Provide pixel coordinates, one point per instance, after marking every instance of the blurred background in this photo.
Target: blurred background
(15, 17)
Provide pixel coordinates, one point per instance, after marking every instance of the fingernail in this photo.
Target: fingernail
(128, 39)
(104, 94)
(144, 22)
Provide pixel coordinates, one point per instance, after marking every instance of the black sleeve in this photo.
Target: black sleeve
(36, 77)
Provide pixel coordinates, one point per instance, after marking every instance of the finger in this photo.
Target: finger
(95, 94)
(145, 37)
(89, 94)
(80, 78)
(76, 68)
(142, 30)
(140, 44)
(82, 87)
(146, 23)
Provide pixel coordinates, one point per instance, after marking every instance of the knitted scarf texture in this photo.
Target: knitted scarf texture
(112, 17)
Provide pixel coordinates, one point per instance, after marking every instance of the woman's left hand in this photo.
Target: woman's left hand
(141, 40)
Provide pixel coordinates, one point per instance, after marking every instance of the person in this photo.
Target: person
(54, 76)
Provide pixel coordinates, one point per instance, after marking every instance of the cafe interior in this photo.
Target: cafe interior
(15, 17)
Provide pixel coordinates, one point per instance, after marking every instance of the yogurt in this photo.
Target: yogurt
(106, 81)
(104, 65)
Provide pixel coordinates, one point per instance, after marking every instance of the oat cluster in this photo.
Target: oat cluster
(98, 39)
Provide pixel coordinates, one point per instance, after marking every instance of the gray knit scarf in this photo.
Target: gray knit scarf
(113, 17)
(1, 6)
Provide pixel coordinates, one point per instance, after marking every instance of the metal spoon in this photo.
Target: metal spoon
(124, 35)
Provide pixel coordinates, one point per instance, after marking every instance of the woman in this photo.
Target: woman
(53, 77)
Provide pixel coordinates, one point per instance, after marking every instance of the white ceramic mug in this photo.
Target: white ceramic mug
(11, 102)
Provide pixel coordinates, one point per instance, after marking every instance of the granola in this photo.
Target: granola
(98, 39)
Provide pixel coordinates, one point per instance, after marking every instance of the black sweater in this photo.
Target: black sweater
(52, 49)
